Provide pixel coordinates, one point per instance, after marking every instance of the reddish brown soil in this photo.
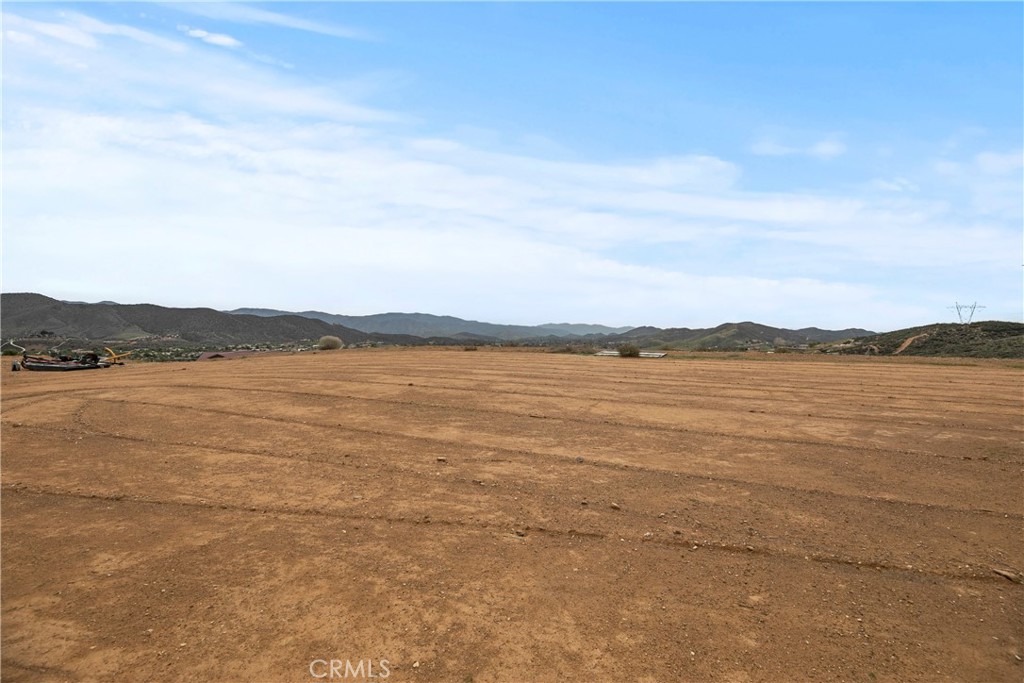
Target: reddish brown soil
(514, 516)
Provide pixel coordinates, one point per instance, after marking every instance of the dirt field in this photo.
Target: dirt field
(514, 516)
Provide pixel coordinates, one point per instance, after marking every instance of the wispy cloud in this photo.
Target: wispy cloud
(219, 39)
(1000, 164)
(991, 180)
(195, 154)
(897, 184)
(63, 32)
(212, 83)
(246, 14)
(415, 223)
(95, 27)
(78, 30)
(827, 148)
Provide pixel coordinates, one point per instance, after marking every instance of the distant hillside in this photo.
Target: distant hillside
(745, 335)
(987, 339)
(564, 329)
(35, 315)
(28, 316)
(427, 325)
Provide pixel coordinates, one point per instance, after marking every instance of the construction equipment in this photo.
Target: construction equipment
(114, 358)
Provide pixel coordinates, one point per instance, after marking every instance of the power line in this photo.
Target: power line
(963, 310)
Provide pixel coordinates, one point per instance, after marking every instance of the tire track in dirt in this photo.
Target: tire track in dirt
(476, 409)
(549, 455)
(856, 411)
(51, 672)
(674, 389)
(683, 544)
(500, 491)
(817, 391)
(785, 380)
(434, 439)
(537, 455)
(773, 586)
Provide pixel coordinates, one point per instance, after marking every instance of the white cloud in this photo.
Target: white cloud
(58, 31)
(827, 148)
(415, 223)
(244, 14)
(95, 27)
(771, 148)
(992, 181)
(993, 163)
(240, 186)
(79, 31)
(897, 184)
(18, 36)
(219, 39)
(208, 83)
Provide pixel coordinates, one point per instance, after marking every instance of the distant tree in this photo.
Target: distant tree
(328, 342)
(629, 351)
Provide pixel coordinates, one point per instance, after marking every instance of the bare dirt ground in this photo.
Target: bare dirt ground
(514, 516)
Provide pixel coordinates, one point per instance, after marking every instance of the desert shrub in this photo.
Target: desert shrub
(328, 342)
(629, 351)
(585, 349)
(573, 348)
(469, 348)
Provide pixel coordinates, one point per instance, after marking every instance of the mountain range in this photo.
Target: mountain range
(34, 316)
(427, 325)
(744, 335)
(727, 335)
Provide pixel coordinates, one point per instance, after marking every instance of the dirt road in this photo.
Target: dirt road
(514, 516)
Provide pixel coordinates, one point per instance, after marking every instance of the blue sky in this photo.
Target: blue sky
(672, 164)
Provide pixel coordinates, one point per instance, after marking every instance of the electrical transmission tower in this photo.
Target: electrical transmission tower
(965, 311)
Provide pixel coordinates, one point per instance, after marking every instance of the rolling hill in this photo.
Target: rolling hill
(745, 335)
(27, 315)
(428, 325)
(986, 339)
(35, 315)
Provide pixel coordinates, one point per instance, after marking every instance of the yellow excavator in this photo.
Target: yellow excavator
(114, 358)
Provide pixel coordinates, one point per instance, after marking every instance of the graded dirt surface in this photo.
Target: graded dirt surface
(514, 516)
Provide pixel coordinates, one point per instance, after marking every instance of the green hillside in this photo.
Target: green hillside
(734, 336)
(987, 339)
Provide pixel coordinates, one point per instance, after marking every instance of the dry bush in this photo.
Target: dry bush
(328, 342)
(629, 351)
